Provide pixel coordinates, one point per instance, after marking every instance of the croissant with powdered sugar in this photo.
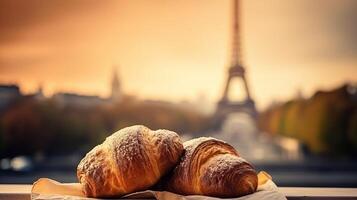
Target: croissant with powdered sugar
(130, 160)
(211, 167)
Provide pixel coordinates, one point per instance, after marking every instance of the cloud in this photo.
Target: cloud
(301, 32)
(19, 16)
(332, 28)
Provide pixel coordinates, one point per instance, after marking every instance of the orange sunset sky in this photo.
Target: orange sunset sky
(176, 49)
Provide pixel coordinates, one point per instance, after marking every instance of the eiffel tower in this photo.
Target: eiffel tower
(236, 70)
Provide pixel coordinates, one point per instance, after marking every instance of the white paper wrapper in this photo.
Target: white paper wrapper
(47, 189)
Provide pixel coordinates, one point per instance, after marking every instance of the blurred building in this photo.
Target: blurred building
(8, 94)
(77, 100)
(80, 100)
(38, 95)
(116, 93)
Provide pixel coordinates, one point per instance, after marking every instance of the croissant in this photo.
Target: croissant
(211, 167)
(130, 160)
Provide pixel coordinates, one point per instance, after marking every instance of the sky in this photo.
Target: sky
(177, 50)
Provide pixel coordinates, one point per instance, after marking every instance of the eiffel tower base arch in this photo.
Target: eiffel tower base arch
(226, 108)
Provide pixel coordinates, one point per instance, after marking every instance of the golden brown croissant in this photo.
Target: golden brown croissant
(130, 160)
(211, 167)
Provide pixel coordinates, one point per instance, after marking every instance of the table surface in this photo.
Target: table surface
(17, 191)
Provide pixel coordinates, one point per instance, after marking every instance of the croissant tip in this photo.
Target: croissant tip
(250, 184)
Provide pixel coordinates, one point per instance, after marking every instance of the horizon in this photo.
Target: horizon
(176, 101)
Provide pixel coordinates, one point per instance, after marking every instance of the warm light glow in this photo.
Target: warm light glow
(176, 50)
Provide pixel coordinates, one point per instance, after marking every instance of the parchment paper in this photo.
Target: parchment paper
(47, 189)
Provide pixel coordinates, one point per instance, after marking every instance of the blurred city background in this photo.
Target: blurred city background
(277, 79)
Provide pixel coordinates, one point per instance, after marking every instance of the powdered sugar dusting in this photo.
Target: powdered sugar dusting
(125, 141)
(223, 163)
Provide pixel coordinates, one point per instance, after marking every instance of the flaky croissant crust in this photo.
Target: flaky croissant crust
(212, 167)
(129, 160)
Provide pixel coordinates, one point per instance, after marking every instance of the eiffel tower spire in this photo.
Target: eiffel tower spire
(236, 58)
(236, 69)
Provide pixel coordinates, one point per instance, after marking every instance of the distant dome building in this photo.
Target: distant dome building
(38, 95)
(116, 93)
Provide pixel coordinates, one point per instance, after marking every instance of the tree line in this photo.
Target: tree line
(30, 126)
(326, 123)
